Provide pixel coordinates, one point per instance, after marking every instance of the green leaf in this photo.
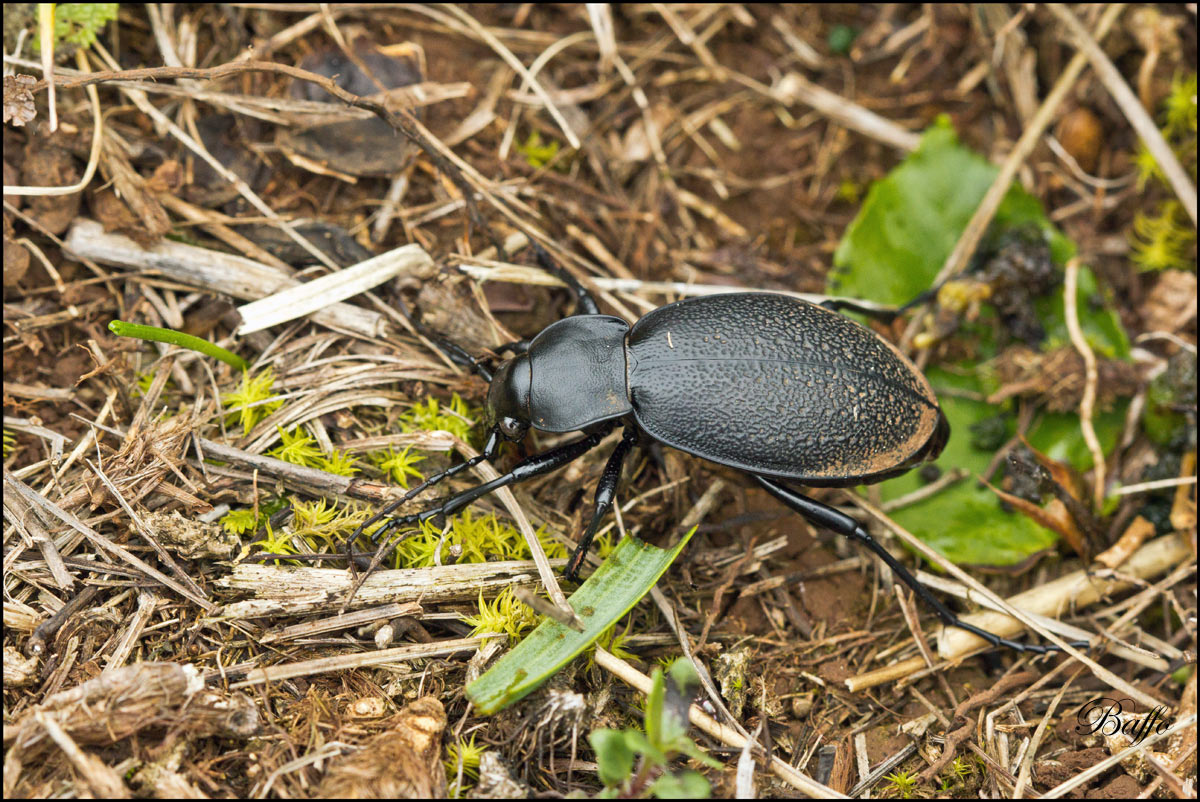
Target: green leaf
(1098, 319)
(614, 758)
(640, 744)
(609, 593)
(686, 784)
(681, 680)
(688, 747)
(654, 709)
(965, 522)
(912, 218)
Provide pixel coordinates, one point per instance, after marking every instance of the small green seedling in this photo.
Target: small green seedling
(903, 784)
(635, 764)
(462, 765)
(253, 400)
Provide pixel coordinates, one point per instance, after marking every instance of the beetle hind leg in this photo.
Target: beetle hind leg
(824, 515)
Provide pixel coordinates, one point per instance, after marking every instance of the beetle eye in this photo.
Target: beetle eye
(512, 429)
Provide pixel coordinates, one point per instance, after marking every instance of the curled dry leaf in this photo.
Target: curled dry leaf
(405, 762)
(18, 100)
(1053, 516)
(1170, 305)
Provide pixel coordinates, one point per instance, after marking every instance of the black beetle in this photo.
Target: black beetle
(780, 388)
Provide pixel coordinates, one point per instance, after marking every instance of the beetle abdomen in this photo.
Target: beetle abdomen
(777, 386)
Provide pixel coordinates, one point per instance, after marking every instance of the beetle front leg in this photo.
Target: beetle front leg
(606, 491)
(824, 515)
(490, 450)
(528, 468)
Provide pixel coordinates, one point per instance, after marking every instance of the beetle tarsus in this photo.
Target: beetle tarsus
(828, 517)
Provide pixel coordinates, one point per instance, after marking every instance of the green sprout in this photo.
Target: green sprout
(427, 416)
(537, 154)
(276, 543)
(321, 522)
(1162, 242)
(467, 754)
(297, 447)
(339, 463)
(1180, 106)
(604, 543)
(666, 719)
(172, 337)
(611, 642)
(240, 522)
(10, 443)
(78, 23)
(399, 465)
(903, 783)
(250, 401)
(505, 615)
(475, 539)
(1146, 166)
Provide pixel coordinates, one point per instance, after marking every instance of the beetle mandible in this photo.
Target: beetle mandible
(782, 389)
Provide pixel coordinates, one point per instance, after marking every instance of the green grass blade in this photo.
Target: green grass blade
(123, 329)
(607, 595)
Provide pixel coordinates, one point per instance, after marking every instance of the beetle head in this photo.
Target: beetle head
(508, 398)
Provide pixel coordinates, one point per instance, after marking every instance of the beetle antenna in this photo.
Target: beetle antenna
(824, 515)
(585, 304)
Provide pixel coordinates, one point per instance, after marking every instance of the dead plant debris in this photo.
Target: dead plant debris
(180, 618)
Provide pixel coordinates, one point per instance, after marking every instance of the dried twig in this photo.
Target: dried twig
(1087, 404)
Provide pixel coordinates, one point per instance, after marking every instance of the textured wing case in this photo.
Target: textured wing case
(774, 385)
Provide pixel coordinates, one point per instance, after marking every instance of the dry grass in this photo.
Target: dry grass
(654, 150)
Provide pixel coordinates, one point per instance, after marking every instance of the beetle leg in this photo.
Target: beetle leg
(882, 315)
(585, 304)
(490, 449)
(824, 515)
(516, 346)
(606, 490)
(536, 465)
